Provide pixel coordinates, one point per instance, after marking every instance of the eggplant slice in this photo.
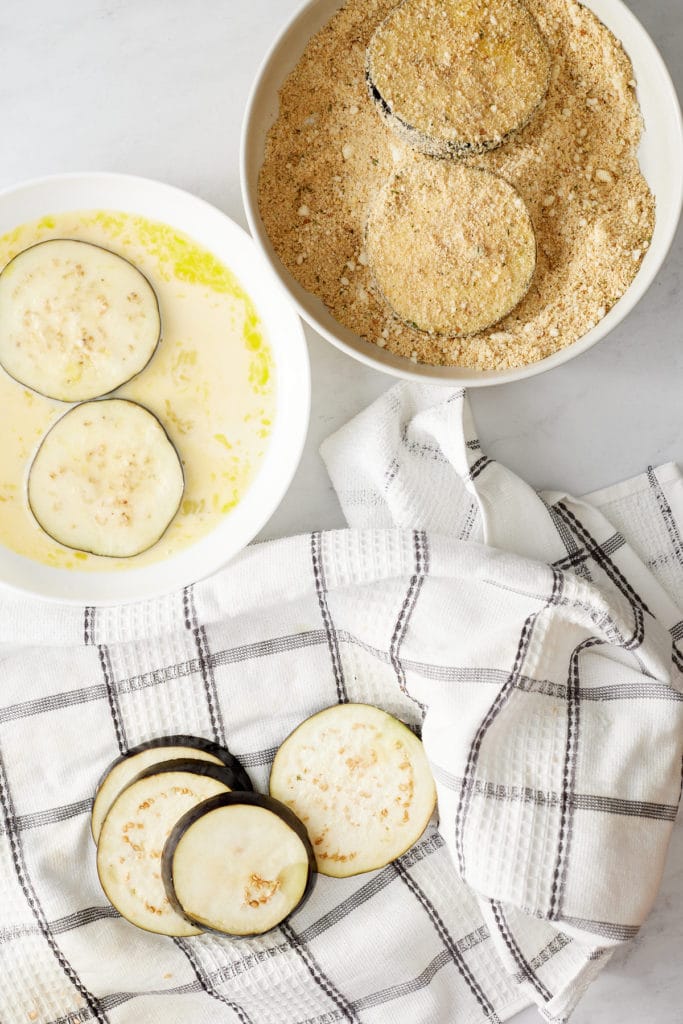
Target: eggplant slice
(238, 864)
(76, 321)
(360, 782)
(106, 479)
(458, 77)
(125, 769)
(135, 830)
(452, 248)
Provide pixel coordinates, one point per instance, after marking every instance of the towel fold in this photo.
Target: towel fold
(535, 639)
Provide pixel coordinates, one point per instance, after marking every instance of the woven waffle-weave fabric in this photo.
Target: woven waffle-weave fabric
(542, 664)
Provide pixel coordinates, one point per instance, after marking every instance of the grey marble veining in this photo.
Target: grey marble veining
(158, 88)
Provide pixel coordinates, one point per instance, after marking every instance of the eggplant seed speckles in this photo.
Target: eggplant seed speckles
(360, 788)
(119, 501)
(52, 333)
(133, 833)
(260, 891)
(262, 874)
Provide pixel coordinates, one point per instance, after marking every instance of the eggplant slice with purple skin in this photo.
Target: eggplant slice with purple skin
(106, 479)
(135, 830)
(360, 780)
(238, 864)
(76, 320)
(126, 768)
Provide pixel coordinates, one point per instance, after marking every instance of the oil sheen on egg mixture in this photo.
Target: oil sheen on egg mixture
(211, 383)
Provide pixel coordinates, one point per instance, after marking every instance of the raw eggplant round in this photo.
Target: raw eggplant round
(452, 79)
(135, 830)
(360, 781)
(76, 320)
(238, 864)
(106, 479)
(126, 768)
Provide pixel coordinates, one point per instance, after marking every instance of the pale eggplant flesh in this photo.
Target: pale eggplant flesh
(135, 830)
(238, 864)
(76, 320)
(106, 479)
(359, 780)
(126, 768)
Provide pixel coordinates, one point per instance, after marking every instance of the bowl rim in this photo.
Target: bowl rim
(297, 434)
(431, 375)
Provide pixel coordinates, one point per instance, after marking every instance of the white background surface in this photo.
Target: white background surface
(157, 88)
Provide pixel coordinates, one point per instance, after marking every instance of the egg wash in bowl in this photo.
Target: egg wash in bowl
(211, 383)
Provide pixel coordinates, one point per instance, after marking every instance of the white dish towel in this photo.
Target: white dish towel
(533, 637)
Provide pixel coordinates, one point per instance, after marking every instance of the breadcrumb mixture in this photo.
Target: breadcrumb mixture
(575, 165)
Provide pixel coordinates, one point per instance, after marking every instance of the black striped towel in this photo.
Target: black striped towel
(533, 638)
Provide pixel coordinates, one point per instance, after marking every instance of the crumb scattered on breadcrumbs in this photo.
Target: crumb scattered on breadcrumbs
(575, 165)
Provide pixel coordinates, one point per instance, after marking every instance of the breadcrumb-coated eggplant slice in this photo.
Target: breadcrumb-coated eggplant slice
(238, 864)
(76, 320)
(457, 77)
(106, 479)
(126, 768)
(360, 782)
(452, 248)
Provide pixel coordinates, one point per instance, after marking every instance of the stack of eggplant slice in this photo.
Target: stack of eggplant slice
(184, 844)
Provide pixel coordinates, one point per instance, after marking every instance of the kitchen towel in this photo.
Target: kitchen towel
(535, 639)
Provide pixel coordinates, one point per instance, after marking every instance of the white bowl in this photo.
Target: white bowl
(232, 245)
(661, 157)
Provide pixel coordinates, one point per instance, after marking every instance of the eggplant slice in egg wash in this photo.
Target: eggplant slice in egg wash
(106, 479)
(135, 830)
(360, 782)
(452, 78)
(76, 320)
(238, 864)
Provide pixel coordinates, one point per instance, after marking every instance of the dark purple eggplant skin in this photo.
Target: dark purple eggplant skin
(198, 742)
(230, 800)
(220, 772)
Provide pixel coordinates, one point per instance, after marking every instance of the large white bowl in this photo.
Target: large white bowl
(232, 245)
(661, 158)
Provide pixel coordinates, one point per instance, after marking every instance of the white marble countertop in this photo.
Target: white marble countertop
(157, 88)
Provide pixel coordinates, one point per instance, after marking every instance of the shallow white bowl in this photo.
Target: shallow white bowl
(232, 245)
(661, 157)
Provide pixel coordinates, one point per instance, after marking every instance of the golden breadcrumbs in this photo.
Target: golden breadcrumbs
(575, 165)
